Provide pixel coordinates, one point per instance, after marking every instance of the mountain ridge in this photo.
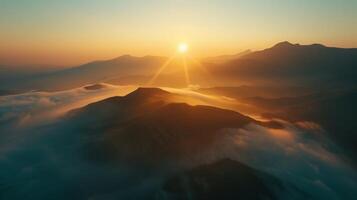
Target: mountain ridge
(151, 118)
(295, 65)
(283, 63)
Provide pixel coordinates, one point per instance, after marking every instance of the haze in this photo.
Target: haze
(178, 99)
(68, 33)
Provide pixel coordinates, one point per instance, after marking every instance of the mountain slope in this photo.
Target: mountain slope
(294, 64)
(97, 71)
(224, 179)
(314, 65)
(151, 125)
(226, 58)
(334, 111)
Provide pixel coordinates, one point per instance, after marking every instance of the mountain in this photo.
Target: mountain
(225, 58)
(224, 179)
(10, 76)
(123, 70)
(153, 126)
(245, 91)
(334, 111)
(312, 66)
(151, 144)
(117, 148)
(293, 64)
(94, 72)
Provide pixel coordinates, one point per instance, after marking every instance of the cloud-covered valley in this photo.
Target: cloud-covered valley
(46, 151)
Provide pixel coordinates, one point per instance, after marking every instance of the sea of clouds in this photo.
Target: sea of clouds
(40, 159)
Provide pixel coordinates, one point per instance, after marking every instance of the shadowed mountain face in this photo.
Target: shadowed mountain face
(147, 130)
(225, 179)
(148, 126)
(294, 64)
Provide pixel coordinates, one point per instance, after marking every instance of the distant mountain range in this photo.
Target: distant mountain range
(293, 64)
(225, 58)
(97, 71)
(289, 64)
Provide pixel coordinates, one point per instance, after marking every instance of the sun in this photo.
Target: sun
(182, 48)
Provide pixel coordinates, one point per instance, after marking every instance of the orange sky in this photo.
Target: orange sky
(67, 33)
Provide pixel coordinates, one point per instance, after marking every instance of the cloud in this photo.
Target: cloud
(40, 107)
(298, 156)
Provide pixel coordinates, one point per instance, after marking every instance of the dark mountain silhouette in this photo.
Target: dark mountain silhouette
(224, 179)
(293, 64)
(149, 125)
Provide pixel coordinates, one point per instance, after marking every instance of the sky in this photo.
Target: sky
(71, 32)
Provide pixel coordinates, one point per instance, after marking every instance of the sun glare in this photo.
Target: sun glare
(182, 48)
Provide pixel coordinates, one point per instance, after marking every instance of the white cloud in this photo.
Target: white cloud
(295, 157)
(38, 107)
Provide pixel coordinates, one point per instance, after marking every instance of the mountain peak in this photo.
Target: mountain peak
(317, 45)
(284, 44)
(147, 92)
(287, 44)
(125, 56)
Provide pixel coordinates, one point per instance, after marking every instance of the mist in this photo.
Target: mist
(39, 153)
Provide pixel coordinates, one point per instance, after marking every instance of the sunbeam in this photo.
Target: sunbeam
(162, 68)
(209, 76)
(185, 67)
